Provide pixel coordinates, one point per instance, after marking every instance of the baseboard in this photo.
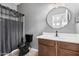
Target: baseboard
(34, 49)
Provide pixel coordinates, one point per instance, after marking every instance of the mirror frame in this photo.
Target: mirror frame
(69, 19)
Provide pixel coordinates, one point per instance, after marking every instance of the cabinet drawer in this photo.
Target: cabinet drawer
(69, 46)
(64, 52)
(47, 42)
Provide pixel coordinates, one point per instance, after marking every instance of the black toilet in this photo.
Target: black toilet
(24, 47)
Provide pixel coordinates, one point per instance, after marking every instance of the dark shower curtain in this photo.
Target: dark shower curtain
(11, 29)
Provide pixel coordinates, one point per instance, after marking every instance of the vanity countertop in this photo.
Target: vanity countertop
(72, 38)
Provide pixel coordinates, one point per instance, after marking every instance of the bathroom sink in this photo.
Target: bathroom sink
(62, 35)
(65, 37)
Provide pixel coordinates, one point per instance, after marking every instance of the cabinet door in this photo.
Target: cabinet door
(45, 50)
(42, 50)
(51, 51)
(69, 46)
(64, 52)
(47, 47)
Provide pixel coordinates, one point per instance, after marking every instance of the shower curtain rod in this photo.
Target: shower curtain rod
(11, 10)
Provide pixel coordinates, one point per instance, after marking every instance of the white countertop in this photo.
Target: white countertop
(72, 38)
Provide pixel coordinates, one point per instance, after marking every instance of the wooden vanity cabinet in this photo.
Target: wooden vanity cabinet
(57, 48)
(46, 47)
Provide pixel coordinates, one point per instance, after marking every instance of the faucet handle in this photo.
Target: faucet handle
(56, 31)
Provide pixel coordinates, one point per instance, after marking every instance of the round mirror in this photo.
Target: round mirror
(58, 17)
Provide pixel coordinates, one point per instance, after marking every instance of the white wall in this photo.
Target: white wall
(10, 5)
